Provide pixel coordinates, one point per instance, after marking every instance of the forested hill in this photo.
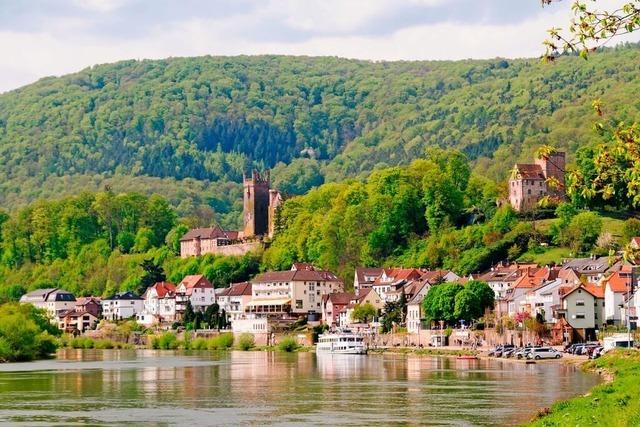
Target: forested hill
(210, 118)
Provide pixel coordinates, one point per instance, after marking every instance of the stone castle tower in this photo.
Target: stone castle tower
(553, 167)
(256, 204)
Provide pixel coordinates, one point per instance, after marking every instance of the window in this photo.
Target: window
(298, 303)
(580, 303)
(580, 316)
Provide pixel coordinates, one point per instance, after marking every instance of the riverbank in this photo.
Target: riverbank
(614, 403)
(436, 351)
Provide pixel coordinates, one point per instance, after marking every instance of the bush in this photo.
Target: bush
(221, 342)
(166, 341)
(288, 344)
(246, 342)
(104, 344)
(199, 344)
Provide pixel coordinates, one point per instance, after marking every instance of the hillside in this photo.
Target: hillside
(189, 123)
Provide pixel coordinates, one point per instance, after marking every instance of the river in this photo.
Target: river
(149, 387)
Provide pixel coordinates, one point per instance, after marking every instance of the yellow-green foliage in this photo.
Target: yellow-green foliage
(25, 333)
(221, 342)
(614, 404)
(165, 341)
(246, 342)
(288, 344)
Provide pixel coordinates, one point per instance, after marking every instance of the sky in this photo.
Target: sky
(40, 38)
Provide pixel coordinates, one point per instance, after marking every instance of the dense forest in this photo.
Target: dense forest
(393, 164)
(179, 126)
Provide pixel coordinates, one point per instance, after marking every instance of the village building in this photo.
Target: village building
(159, 305)
(197, 290)
(617, 288)
(76, 322)
(260, 204)
(583, 309)
(120, 306)
(529, 183)
(592, 269)
(414, 309)
(296, 291)
(234, 300)
(390, 284)
(53, 300)
(544, 300)
(332, 305)
(530, 279)
(91, 305)
(365, 276)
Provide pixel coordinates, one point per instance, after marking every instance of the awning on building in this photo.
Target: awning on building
(269, 301)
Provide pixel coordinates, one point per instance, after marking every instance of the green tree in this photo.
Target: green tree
(439, 303)
(583, 231)
(363, 313)
(630, 229)
(152, 273)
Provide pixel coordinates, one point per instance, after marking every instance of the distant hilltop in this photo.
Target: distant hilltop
(208, 119)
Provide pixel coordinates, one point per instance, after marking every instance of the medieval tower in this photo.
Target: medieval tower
(256, 204)
(553, 167)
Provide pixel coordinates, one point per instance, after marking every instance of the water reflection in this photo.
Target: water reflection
(248, 388)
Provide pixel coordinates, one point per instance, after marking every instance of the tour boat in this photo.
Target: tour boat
(341, 342)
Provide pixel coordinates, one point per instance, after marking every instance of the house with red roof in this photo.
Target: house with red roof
(617, 287)
(296, 291)
(583, 309)
(332, 304)
(365, 276)
(235, 299)
(196, 289)
(159, 305)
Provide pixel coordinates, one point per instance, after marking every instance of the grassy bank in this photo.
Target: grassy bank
(425, 351)
(615, 403)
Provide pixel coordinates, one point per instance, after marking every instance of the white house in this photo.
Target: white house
(297, 291)
(583, 308)
(414, 310)
(543, 299)
(122, 306)
(53, 300)
(159, 304)
(196, 289)
(234, 300)
(616, 288)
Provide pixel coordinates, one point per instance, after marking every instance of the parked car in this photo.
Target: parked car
(509, 352)
(597, 352)
(523, 352)
(544, 353)
(571, 348)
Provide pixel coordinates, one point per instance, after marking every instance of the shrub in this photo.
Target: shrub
(199, 344)
(104, 344)
(226, 340)
(246, 342)
(166, 341)
(288, 344)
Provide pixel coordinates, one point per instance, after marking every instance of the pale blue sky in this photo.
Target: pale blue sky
(52, 37)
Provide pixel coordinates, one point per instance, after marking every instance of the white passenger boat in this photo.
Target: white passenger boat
(341, 342)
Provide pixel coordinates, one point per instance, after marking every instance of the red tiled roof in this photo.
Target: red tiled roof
(239, 289)
(619, 282)
(209, 233)
(295, 276)
(340, 298)
(362, 272)
(529, 171)
(196, 281)
(595, 290)
(163, 288)
(636, 240)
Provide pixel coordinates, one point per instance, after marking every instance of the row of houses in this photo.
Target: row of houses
(575, 299)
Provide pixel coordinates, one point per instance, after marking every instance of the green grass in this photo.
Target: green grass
(616, 403)
(552, 254)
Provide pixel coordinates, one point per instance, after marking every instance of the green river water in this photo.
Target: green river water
(157, 388)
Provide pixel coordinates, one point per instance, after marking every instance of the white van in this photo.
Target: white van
(544, 353)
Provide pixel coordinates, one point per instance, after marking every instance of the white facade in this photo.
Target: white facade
(613, 302)
(54, 301)
(543, 299)
(121, 307)
(413, 317)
